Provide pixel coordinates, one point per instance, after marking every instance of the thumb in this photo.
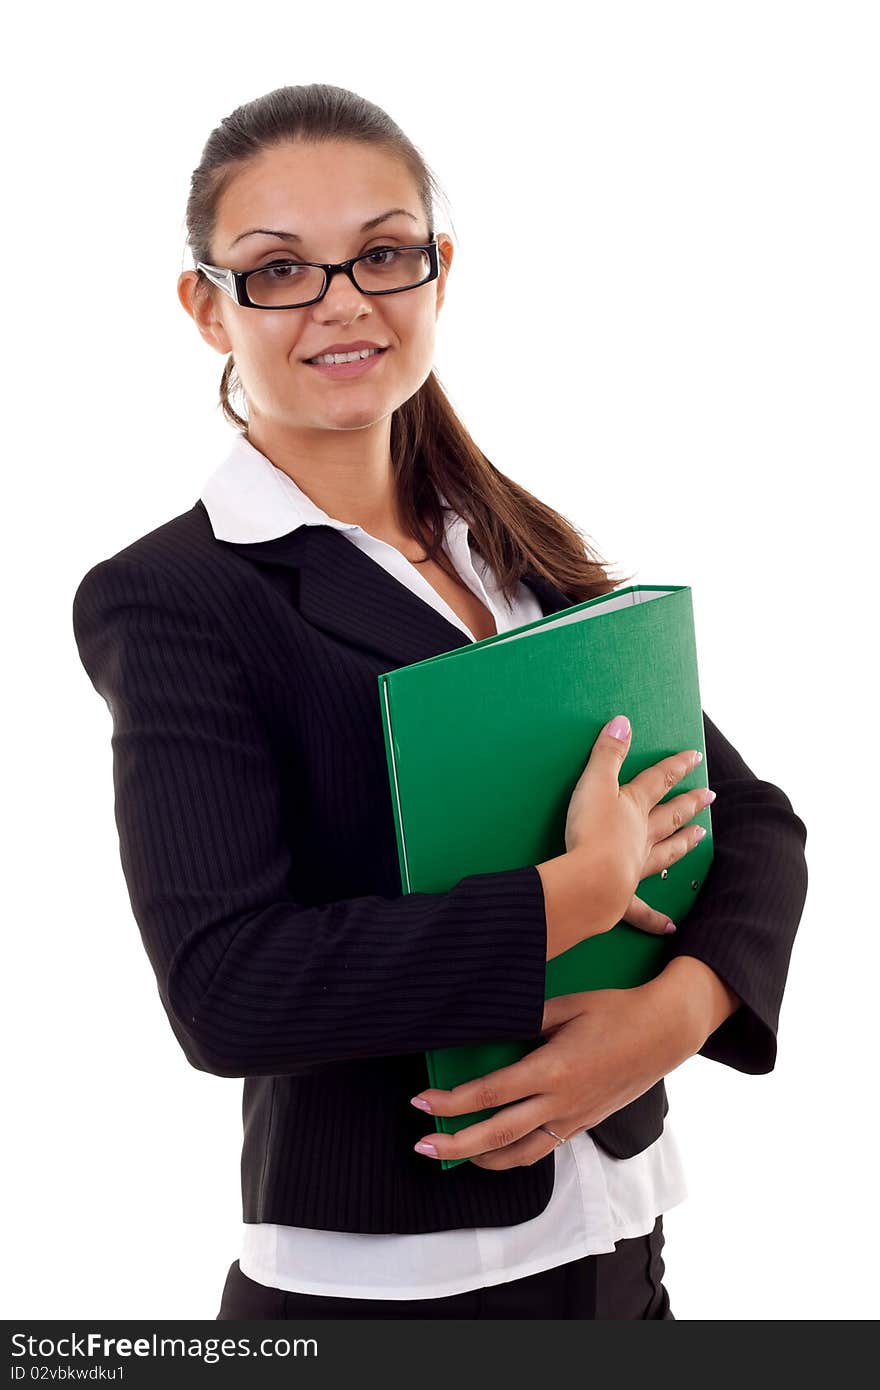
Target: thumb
(610, 748)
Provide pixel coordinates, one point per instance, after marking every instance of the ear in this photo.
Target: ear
(202, 302)
(445, 249)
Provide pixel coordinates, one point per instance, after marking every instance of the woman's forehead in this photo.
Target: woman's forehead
(312, 189)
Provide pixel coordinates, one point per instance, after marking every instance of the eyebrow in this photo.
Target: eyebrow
(292, 236)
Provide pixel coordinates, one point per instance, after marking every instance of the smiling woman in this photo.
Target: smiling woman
(321, 180)
(355, 527)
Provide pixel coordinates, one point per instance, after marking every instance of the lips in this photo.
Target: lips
(375, 351)
(343, 371)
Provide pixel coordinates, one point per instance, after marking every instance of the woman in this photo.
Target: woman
(355, 527)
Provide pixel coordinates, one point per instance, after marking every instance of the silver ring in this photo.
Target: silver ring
(548, 1130)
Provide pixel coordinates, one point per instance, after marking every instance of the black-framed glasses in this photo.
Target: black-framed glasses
(289, 284)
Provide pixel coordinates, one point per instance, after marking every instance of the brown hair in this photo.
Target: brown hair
(431, 451)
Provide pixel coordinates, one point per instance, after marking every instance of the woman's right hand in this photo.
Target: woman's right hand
(622, 827)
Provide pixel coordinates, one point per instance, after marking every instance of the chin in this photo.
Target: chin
(359, 417)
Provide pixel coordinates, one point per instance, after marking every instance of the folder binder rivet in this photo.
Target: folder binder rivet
(665, 873)
(695, 884)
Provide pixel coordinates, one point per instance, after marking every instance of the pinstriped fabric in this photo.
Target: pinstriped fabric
(260, 981)
(257, 843)
(759, 887)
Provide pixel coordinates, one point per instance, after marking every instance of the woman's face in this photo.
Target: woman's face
(323, 193)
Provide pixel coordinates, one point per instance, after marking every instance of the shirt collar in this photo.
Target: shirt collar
(248, 498)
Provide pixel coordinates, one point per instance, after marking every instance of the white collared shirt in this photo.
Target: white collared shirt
(597, 1200)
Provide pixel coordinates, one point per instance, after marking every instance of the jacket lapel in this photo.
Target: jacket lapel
(341, 590)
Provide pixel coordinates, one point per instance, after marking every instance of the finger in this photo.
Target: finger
(672, 815)
(656, 781)
(669, 851)
(497, 1132)
(526, 1151)
(514, 1082)
(608, 752)
(640, 915)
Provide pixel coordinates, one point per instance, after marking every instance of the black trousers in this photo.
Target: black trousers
(622, 1284)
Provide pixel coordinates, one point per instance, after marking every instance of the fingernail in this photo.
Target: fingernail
(670, 926)
(619, 727)
(698, 757)
(709, 798)
(701, 830)
(429, 1149)
(422, 1104)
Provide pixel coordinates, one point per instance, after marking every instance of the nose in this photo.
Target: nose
(343, 299)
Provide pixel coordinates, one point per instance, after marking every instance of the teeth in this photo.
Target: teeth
(345, 356)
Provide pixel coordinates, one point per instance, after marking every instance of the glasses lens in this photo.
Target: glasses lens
(392, 268)
(285, 285)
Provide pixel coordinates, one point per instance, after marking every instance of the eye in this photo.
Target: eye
(275, 270)
(389, 251)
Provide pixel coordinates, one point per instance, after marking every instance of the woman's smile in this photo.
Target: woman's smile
(343, 370)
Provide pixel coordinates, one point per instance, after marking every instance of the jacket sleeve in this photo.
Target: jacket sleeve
(253, 981)
(744, 920)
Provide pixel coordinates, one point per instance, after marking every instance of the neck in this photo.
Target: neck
(347, 473)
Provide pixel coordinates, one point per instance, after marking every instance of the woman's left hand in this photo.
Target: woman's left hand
(604, 1048)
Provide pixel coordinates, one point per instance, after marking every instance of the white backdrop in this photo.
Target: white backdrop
(695, 388)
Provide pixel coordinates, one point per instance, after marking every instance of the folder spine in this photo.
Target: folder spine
(394, 782)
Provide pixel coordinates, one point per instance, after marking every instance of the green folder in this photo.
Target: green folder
(484, 746)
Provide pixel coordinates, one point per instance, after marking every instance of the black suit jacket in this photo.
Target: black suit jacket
(257, 842)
